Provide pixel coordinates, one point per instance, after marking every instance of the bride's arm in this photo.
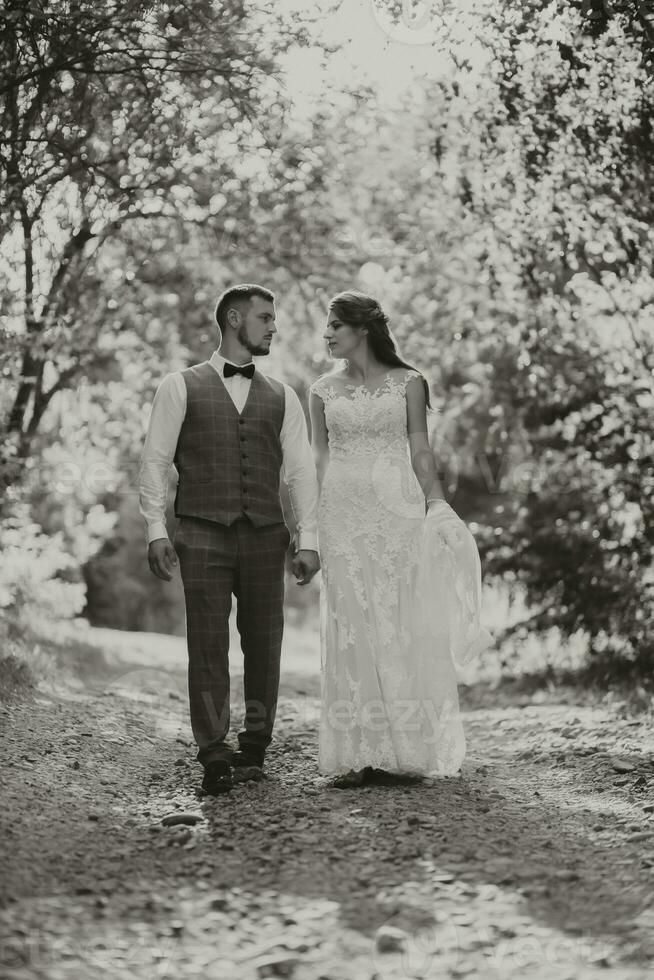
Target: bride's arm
(319, 436)
(422, 458)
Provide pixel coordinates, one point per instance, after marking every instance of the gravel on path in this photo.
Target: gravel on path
(537, 861)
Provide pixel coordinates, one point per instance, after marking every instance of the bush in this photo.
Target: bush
(37, 574)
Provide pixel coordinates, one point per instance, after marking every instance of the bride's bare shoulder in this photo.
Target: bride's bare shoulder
(403, 375)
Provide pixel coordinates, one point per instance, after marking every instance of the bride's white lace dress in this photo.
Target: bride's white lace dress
(400, 594)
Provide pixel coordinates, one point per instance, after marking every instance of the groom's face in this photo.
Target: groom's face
(257, 327)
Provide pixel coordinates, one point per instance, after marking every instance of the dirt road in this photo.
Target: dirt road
(536, 862)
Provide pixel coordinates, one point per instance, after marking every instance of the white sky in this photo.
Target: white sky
(389, 57)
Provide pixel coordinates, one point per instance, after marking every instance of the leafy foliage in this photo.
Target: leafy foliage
(113, 113)
(124, 126)
(554, 179)
(33, 573)
(503, 215)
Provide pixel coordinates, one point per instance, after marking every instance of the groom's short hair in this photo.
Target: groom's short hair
(244, 291)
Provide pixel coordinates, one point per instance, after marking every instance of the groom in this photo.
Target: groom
(230, 432)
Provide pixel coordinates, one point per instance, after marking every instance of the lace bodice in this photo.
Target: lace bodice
(364, 422)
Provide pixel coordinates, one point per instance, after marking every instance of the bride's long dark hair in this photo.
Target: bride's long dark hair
(359, 310)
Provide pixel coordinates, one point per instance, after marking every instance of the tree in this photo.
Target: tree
(137, 142)
(114, 115)
(554, 177)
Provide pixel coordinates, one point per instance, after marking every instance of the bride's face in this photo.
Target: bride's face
(342, 340)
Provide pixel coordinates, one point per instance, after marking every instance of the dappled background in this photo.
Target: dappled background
(484, 169)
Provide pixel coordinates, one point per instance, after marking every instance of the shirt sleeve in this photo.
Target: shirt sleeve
(299, 471)
(168, 411)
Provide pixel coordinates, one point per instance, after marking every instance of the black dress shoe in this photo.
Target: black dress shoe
(217, 778)
(247, 768)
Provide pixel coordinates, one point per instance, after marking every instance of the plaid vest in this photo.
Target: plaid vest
(229, 464)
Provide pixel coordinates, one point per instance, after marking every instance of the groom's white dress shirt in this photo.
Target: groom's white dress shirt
(168, 411)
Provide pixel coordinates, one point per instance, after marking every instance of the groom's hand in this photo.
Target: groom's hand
(305, 565)
(162, 558)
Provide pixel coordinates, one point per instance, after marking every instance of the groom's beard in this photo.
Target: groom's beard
(254, 349)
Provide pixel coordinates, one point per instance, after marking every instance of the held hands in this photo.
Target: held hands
(162, 558)
(305, 565)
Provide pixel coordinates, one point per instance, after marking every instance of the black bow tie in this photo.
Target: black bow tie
(230, 370)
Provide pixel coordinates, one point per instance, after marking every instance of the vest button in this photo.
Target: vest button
(241, 421)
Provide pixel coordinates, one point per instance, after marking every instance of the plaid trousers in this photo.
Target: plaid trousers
(218, 561)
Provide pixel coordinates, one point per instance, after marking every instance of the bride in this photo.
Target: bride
(401, 580)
